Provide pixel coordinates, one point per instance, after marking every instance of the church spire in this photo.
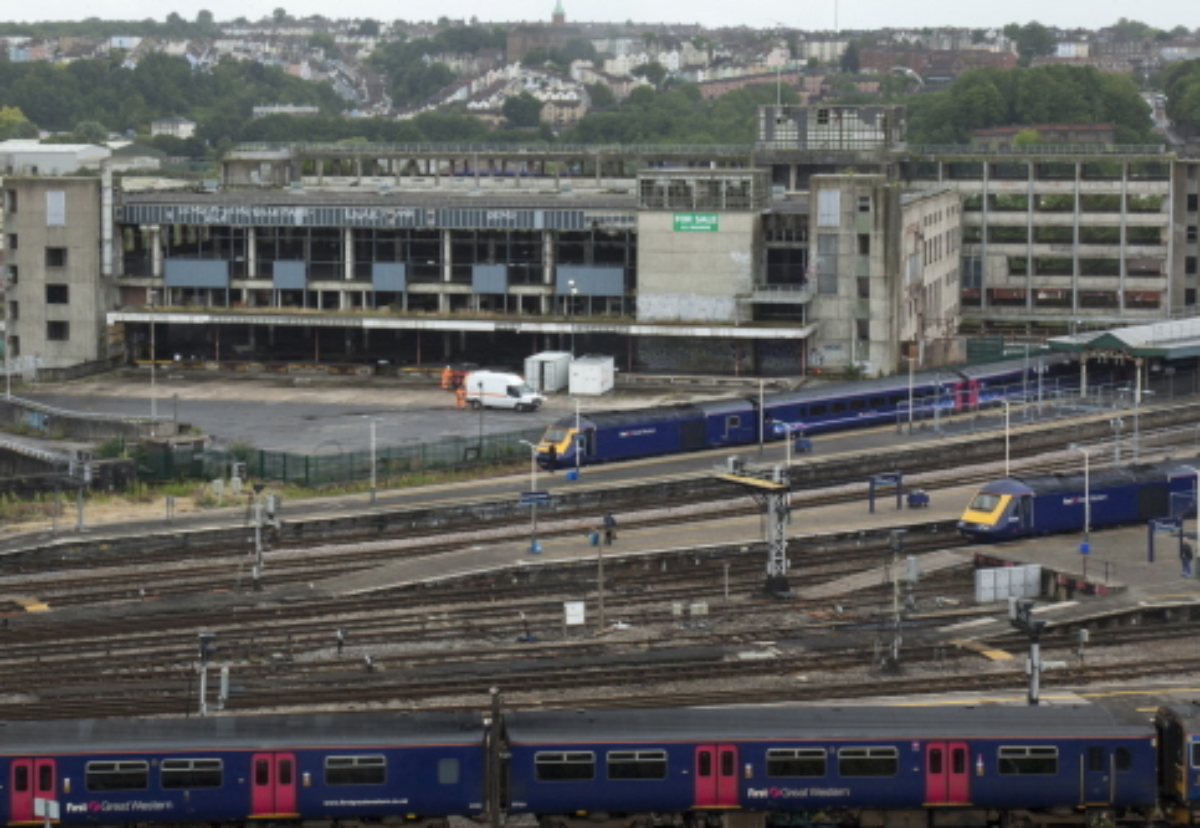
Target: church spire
(560, 17)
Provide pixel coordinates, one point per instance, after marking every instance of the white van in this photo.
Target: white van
(493, 389)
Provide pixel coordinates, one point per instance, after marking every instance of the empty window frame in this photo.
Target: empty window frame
(818, 410)
(874, 761)
(117, 776)
(858, 405)
(57, 331)
(573, 766)
(1196, 754)
(733, 421)
(1028, 761)
(57, 294)
(355, 770)
(837, 408)
(637, 764)
(191, 773)
(796, 762)
(56, 257)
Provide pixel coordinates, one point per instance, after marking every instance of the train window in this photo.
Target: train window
(796, 762)
(1196, 754)
(45, 779)
(1123, 759)
(1095, 759)
(817, 410)
(958, 761)
(564, 767)
(705, 763)
(191, 773)
(935, 760)
(285, 771)
(637, 764)
(878, 761)
(985, 502)
(727, 768)
(837, 408)
(733, 422)
(1028, 760)
(117, 776)
(878, 402)
(262, 772)
(448, 772)
(21, 779)
(858, 405)
(355, 770)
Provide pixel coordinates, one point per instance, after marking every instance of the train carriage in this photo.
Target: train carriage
(267, 768)
(1017, 507)
(856, 762)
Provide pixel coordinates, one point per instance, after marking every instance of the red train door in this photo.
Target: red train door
(29, 779)
(716, 776)
(947, 781)
(273, 790)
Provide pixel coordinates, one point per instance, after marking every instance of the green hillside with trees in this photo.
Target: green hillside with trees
(59, 97)
(982, 98)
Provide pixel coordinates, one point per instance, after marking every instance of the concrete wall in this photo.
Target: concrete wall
(46, 421)
(87, 294)
(695, 276)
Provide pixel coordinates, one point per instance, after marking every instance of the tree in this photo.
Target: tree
(14, 124)
(523, 110)
(325, 42)
(653, 71)
(1027, 138)
(90, 132)
(1033, 40)
(280, 15)
(850, 62)
(601, 95)
(368, 27)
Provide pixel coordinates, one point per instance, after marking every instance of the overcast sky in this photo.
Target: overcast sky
(811, 15)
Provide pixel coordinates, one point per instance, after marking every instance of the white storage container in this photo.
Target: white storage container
(549, 371)
(592, 375)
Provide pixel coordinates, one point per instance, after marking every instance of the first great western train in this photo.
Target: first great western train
(1103, 763)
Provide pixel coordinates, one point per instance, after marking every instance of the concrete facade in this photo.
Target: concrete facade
(57, 300)
(829, 243)
(696, 276)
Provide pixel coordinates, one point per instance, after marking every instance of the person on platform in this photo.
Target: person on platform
(1187, 553)
(610, 529)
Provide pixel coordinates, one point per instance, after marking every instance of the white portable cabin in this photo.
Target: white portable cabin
(592, 375)
(548, 371)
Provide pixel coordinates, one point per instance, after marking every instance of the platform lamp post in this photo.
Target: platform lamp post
(912, 362)
(153, 358)
(7, 340)
(571, 309)
(1007, 437)
(1086, 546)
(371, 421)
(533, 541)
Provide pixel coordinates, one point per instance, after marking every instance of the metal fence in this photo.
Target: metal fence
(313, 470)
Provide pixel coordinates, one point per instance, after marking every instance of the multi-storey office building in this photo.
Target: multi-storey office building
(829, 243)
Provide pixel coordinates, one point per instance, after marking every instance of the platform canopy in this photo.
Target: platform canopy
(1165, 340)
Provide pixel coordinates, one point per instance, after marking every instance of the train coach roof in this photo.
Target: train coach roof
(634, 416)
(775, 723)
(1109, 476)
(1008, 366)
(241, 732)
(896, 383)
(1008, 486)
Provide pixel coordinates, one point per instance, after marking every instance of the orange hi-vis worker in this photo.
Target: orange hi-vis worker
(447, 378)
(460, 397)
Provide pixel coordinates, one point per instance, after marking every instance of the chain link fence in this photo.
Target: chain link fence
(313, 470)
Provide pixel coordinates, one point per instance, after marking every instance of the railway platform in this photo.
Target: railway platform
(808, 526)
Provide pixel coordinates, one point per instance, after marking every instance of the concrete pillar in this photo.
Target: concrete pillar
(447, 265)
(320, 171)
(1030, 196)
(156, 252)
(348, 254)
(548, 264)
(1075, 275)
(1124, 229)
(1083, 386)
(251, 253)
(358, 165)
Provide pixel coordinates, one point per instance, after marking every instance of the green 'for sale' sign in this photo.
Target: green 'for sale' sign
(696, 223)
